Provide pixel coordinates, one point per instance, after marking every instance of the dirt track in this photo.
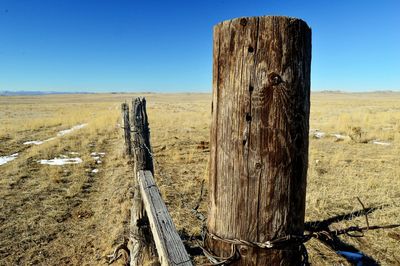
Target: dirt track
(51, 223)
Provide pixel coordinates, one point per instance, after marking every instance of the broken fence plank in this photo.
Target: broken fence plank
(170, 248)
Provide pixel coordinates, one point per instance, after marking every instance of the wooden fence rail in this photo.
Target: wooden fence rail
(162, 244)
(170, 248)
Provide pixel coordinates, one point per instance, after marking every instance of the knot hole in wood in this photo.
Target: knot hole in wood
(274, 79)
(243, 22)
(251, 89)
(248, 117)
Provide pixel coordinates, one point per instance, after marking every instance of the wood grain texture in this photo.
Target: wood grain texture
(143, 251)
(127, 128)
(170, 248)
(141, 136)
(259, 134)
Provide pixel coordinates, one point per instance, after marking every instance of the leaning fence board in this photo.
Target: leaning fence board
(170, 248)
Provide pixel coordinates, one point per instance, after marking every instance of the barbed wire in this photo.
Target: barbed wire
(116, 255)
(290, 241)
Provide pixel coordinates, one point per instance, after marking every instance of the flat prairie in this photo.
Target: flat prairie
(77, 213)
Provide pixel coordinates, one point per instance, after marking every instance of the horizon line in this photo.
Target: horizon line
(47, 92)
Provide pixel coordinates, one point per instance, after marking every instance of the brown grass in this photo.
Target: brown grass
(67, 215)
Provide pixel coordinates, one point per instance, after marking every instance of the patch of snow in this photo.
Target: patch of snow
(37, 142)
(59, 134)
(97, 154)
(67, 131)
(381, 143)
(74, 153)
(95, 170)
(319, 135)
(61, 161)
(316, 133)
(34, 142)
(6, 159)
(338, 136)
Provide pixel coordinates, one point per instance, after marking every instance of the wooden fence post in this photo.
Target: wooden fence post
(151, 224)
(143, 251)
(127, 128)
(259, 138)
(141, 136)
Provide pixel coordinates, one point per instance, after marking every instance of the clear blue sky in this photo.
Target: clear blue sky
(88, 45)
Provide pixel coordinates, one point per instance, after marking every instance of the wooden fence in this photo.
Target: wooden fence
(259, 151)
(258, 155)
(161, 244)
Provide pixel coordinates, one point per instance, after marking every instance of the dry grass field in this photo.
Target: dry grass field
(76, 214)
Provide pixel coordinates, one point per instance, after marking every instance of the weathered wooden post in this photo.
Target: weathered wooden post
(127, 128)
(259, 139)
(141, 136)
(151, 224)
(143, 250)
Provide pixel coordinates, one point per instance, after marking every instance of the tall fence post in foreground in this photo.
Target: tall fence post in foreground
(143, 251)
(127, 128)
(259, 140)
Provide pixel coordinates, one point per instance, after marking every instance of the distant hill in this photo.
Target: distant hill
(357, 92)
(19, 93)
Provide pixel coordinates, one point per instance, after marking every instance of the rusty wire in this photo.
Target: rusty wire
(280, 243)
(289, 240)
(365, 212)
